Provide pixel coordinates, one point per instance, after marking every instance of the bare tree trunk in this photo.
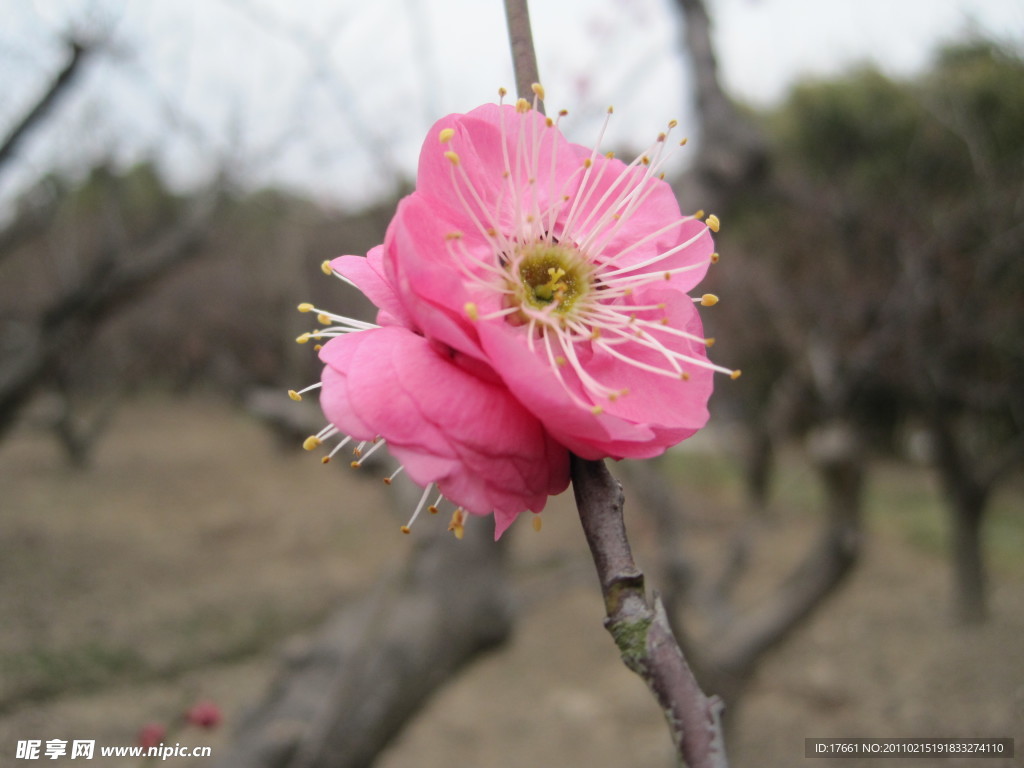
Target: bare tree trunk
(970, 601)
(967, 500)
(733, 152)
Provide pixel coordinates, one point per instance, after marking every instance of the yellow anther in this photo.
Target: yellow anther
(453, 235)
(354, 464)
(610, 155)
(684, 376)
(387, 480)
(317, 347)
(664, 321)
(522, 105)
(610, 109)
(537, 523)
(432, 509)
(294, 395)
(587, 163)
(502, 93)
(325, 267)
(306, 306)
(453, 157)
(709, 342)
(597, 410)
(563, 112)
(668, 276)
(538, 90)
(645, 160)
(708, 300)
(492, 232)
(560, 361)
(549, 122)
(325, 460)
(311, 443)
(457, 525)
(302, 339)
(471, 311)
(713, 223)
(445, 135)
(595, 334)
(682, 142)
(662, 136)
(735, 374)
(672, 124)
(405, 529)
(323, 319)
(699, 214)
(714, 258)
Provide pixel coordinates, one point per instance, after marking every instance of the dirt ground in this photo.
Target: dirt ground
(179, 566)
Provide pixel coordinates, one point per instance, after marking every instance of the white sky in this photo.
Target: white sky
(335, 96)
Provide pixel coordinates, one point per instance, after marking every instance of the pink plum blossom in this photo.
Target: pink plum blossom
(204, 714)
(532, 300)
(564, 271)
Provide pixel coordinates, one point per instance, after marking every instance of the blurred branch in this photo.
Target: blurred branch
(733, 151)
(350, 690)
(78, 51)
(740, 645)
(640, 626)
(520, 37)
(113, 282)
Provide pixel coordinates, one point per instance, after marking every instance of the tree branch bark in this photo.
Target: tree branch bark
(520, 37)
(78, 51)
(640, 626)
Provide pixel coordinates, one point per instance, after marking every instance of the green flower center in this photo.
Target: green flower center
(552, 278)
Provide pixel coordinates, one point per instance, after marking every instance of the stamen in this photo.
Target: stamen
(419, 508)
(432, 509)
(297, 396)
(326, 459)
(458, 523)
(373, 448)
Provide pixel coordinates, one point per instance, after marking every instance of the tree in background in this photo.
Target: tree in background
(885, 267)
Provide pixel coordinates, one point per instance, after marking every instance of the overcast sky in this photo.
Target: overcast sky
(335, 96)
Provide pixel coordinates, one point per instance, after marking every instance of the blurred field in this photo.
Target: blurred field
(185, 560)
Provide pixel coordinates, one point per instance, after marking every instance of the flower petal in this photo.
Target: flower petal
(483, 449)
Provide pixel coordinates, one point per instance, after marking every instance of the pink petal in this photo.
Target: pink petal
(483, 449)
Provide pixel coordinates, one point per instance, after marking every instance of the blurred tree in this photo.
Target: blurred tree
(888, 256)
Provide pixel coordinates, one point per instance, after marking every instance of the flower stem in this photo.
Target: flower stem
(640, 626)
(524, 56)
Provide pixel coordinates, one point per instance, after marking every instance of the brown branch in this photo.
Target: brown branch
(639, 626)
(520, 37)
(77, 54)
(77, 314)
(733, 151)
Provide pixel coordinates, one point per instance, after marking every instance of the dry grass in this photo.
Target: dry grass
(181, 563)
